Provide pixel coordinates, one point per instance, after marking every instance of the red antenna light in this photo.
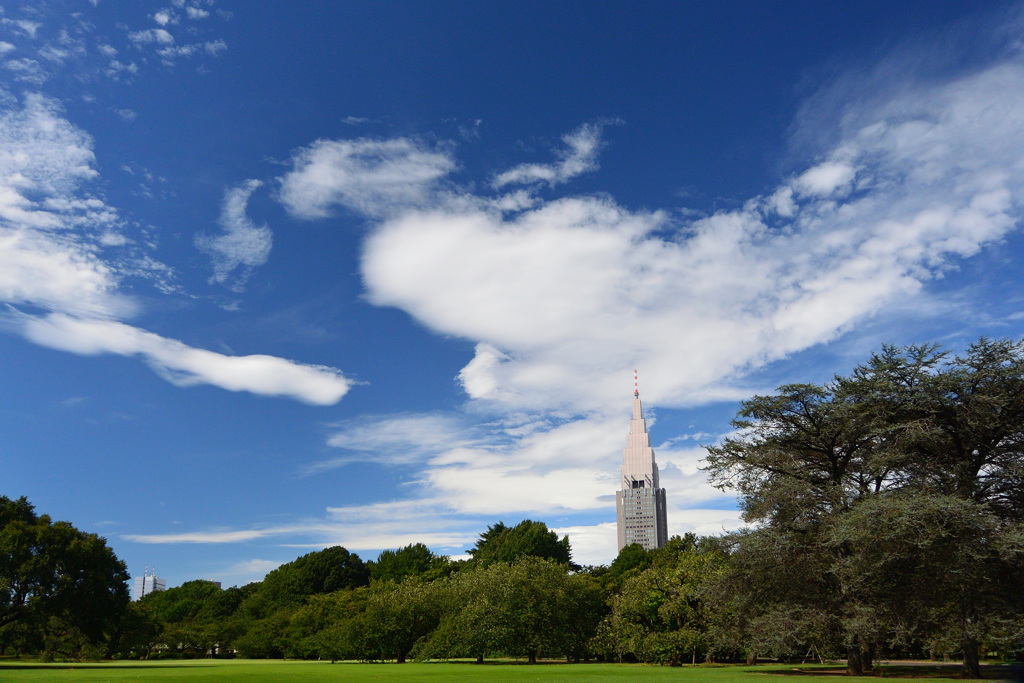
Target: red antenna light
(636, 389)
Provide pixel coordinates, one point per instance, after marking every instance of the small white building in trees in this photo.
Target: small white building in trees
(146, 584)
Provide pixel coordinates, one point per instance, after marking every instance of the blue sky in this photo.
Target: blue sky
(275, 277)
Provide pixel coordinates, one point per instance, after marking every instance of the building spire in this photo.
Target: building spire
(640, 502)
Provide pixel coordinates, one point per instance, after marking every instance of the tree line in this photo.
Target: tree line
(886, 512)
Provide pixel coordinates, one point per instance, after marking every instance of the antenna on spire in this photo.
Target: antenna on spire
(636, 389)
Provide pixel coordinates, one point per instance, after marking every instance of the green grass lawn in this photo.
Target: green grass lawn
(250, 671)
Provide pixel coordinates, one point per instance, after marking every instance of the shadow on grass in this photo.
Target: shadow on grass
(992, 672)
(87, 665)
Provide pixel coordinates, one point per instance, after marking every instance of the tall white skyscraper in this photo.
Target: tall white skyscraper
(640, 504)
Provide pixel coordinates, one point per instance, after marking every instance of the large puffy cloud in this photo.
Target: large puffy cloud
(64, 250)
(566, 297)
(374, 177)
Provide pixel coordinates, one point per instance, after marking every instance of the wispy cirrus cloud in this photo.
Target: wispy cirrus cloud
(242, 244)
(579, 156)
(185, 366)
(66, 252)
(373, 177)
(41, 40)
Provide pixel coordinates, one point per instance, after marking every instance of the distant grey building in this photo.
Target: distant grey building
(146, 584)
(640, 504)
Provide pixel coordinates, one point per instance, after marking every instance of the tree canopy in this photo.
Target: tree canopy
(55, 578)
(501, 543)
(889, 502)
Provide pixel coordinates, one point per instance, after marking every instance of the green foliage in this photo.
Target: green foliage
(890, 503)
(528, 538)
(663, 612)
(398, 615)
(319, 572)
(57, 584)
(633, 557)
(529, 608)
(414, 559)
(330, 626)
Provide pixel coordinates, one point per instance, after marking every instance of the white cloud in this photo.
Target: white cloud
(596, 544)
(5, 47)
(375, 177)
(196, 13)
(242, 244)
(215, 47)
(185, 366)
(126, 114)
(249, 571)
(580, 156)
(26, 70)
(51, 251)
(63, 250)
(394, 439)
(205, 536)
(370, 527)
(154, 35)
(23, 26)
(564, 299)
(824, 179)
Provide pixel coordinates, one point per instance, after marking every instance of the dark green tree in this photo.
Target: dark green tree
(956, 427)
(663, 613)
(908, 433)
(414, 559)
(398, 615)
(531, 608)
(52, 571)
(319, 572)
(501, 543)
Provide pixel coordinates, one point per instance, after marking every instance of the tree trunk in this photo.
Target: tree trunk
(854, 663)
(972, 667)
(868, 656)
(751, 658)
(480, 659)
(532, 658)
(400, 657)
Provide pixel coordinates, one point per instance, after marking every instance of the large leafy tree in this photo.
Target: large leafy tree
(530, 608)
(264, 617)
(398, 615)
(319, 572)
(956, 429)
(663, 613)
(913, 437)
(414, 559)
(502, 543)
(53, 573)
